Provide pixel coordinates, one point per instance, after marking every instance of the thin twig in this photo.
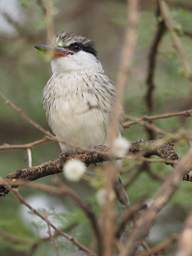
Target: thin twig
(39, 242)
(25, 116)
(145, 123)
(161, 247)
(13, 238)
(152, 62)
(182, 56)
(41, 216)
(185, 113)
(30, 145)
(49, 19)
(63, 190)
(29, 157)
(128, 216)
(164, 194)
(127, 54)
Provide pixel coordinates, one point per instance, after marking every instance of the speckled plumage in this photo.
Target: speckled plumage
(65, 39)
(78, 98)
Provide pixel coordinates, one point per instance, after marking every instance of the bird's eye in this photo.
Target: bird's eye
(75, 47)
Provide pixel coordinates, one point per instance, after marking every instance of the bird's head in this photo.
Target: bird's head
(71, 53)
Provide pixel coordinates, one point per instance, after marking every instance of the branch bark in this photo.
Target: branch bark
(152, 61)
(53, 167)
(140, 148)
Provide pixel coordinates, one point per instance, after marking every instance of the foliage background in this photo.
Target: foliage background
(22, 77)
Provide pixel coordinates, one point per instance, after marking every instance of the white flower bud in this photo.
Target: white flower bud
(74, 169)
(121, 147)
(101, 196)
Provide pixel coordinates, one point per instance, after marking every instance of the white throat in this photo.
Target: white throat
(77, 62)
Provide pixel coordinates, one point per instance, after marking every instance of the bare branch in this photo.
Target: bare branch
(161, 247)
(165, 192)
(185, 113)
(111, 172)
(128, 215)
(24, 146)
(185, 246)
(66, 236)
(39, 242)
(25, 116)
(175, 39)
(126, 61)
(54, 167)
(145, 123)
(63, 190)
(141, 148)
(13, 239)
(152, 62)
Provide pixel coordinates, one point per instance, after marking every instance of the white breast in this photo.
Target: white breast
(78, 105)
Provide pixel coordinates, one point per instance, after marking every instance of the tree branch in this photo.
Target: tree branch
(53, 167)
(65, 235)
(163, 195)
(152, 61)
(185, 247)
(141, 148)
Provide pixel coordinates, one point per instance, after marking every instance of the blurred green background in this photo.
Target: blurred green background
(22, 77)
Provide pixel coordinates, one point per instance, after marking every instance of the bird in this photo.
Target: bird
(79, 96)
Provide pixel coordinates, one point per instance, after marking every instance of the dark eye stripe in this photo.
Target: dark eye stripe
(90, 49)
(75, 47)
(78, 47)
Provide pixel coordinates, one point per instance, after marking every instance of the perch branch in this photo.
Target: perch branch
(53, 167)
(141, 148)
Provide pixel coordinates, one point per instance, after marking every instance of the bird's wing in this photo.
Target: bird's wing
(103, 92)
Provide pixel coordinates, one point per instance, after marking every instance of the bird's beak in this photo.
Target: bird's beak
(53, 52)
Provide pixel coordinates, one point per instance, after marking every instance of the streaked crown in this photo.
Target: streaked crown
(75, 43)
